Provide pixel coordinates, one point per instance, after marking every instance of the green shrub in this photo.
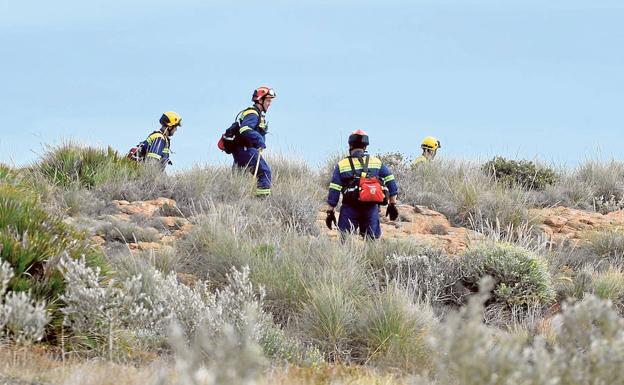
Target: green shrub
(72, 165)
(524, 173)
(521, 277)
(32, 241)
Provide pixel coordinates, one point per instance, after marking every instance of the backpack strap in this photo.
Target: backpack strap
(365, 166)
(352, 166)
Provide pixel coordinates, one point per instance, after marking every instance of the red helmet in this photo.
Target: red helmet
(358, 139)
(261, 93)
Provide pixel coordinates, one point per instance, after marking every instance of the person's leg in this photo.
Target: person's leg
(348, 219)
(242, 158)
(264, 178)
(370, 226)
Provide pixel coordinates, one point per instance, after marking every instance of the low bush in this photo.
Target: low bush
(73, 165)
(429, 276)
(521, 277)
(523, 173)
(587, 334)
(22, 320)
(126, 232)
(32, 241)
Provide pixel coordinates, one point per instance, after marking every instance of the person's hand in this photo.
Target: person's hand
(392, 211)
(330, 219)
(170, 163)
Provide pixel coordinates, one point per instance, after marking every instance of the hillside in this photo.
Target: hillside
(503, 272)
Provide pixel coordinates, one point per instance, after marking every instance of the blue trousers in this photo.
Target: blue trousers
(363, 217)
(246, 158)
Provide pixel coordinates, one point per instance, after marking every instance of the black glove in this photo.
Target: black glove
(392, 211)
(331, 218)
(170, 163)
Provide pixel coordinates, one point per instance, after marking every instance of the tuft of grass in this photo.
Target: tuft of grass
(70, 165)
(394, 330)
(610, 285)
(329, 320)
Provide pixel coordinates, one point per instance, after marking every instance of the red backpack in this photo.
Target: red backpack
(369, 188)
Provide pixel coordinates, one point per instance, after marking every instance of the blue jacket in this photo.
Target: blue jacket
(253, 128)
(343, 175)
(157, 145)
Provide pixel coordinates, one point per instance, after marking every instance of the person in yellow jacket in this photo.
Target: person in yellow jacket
(430, 146)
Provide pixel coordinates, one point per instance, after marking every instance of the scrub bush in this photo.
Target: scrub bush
(126, 232)
(87, 167)
(21, 319)
(585, 346)
(523, 172)
(521, 277)
(429, 275)
(32, 241)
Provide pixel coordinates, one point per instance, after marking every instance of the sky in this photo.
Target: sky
(523, 79)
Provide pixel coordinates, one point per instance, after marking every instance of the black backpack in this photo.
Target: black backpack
(230, 139)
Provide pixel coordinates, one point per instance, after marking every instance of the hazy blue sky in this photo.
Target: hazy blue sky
(517, 78)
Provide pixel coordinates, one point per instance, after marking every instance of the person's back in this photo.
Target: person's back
(358, 177)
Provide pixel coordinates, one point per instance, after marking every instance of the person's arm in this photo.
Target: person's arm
(335, 188)
(388, 178)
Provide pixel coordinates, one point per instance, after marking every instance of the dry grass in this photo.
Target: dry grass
(40, 366)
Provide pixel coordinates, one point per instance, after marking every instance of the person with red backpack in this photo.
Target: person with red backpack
(365, 183)
(245, 139)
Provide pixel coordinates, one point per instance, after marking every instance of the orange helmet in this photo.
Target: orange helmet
(261, 93)
(358, 139)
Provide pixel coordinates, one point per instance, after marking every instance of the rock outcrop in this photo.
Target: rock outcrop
(563, 224)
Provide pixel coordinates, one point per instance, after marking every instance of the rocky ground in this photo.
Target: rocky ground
(154, 224)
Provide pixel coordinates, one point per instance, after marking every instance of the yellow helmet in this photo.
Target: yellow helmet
(430, 143)
(170, 119)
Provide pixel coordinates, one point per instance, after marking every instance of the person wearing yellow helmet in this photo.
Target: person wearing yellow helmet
(156, 148)
(429, 146)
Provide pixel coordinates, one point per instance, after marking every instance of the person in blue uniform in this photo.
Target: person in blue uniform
(355, 215)
(157, 145)
(250, 139)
